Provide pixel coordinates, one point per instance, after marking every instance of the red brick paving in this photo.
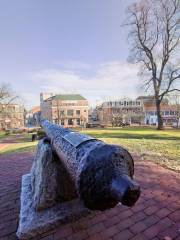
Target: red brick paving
(155, 216)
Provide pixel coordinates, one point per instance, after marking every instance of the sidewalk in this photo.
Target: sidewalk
(155, 216)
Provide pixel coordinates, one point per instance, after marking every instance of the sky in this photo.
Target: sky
(66, 46)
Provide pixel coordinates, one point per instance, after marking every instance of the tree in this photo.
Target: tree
(6, 95)
(154, 33)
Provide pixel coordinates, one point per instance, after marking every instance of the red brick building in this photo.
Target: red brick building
(139, 111)
(122, 111)
(11, 116)
(68, 110)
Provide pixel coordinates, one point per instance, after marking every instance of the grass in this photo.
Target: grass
(2, 134)
(162, 147)
(18, 147)
(21, 144)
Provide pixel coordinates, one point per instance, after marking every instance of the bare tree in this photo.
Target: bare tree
(6, 95)
(154, 32)
(116, 119)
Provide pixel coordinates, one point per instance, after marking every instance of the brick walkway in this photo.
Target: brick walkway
(155, 216)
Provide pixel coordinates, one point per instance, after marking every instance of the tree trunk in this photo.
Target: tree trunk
(177, 122)
(159, 117)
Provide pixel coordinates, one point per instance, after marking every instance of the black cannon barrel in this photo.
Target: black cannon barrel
(102, 173)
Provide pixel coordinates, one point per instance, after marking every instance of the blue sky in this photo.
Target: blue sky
(65, 46)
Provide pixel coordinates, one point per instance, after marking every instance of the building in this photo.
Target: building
(33, 117)
(93, 115)
(168, 111)
(121, 111)
(68, 110)
(11, 116)
(141, 111)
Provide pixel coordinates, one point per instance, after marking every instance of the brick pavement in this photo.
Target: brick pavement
(155, 216)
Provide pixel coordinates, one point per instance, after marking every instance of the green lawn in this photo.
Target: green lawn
(22, 144)
(19, 147)
(162, 147)
(2, 134)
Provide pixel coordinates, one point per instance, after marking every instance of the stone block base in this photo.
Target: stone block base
(33, 223)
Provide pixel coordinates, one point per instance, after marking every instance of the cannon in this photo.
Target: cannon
(102, 174)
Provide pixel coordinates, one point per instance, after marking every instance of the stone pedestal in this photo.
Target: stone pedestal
(33, 223)
(48, 196)
(50, 181)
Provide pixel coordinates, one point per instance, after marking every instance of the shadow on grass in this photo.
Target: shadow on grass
(134, 136)
(13, 138)
(23, 139)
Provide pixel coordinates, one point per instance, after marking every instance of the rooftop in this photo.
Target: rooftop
(35, 109)
(67, 97)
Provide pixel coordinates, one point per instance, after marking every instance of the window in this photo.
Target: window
(70, 121)
(138, 103)
(69, 104)
(78, 121)
(70, 112)
(77, 112)
(62, 113)
(62, 122)
(84, 110)
(151, 113)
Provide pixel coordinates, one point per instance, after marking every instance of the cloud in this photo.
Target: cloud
(110, 79)
(30, 99)
(73, 65)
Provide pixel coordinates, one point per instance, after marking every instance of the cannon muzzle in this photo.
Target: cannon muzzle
(106, 178)
(125, 190)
